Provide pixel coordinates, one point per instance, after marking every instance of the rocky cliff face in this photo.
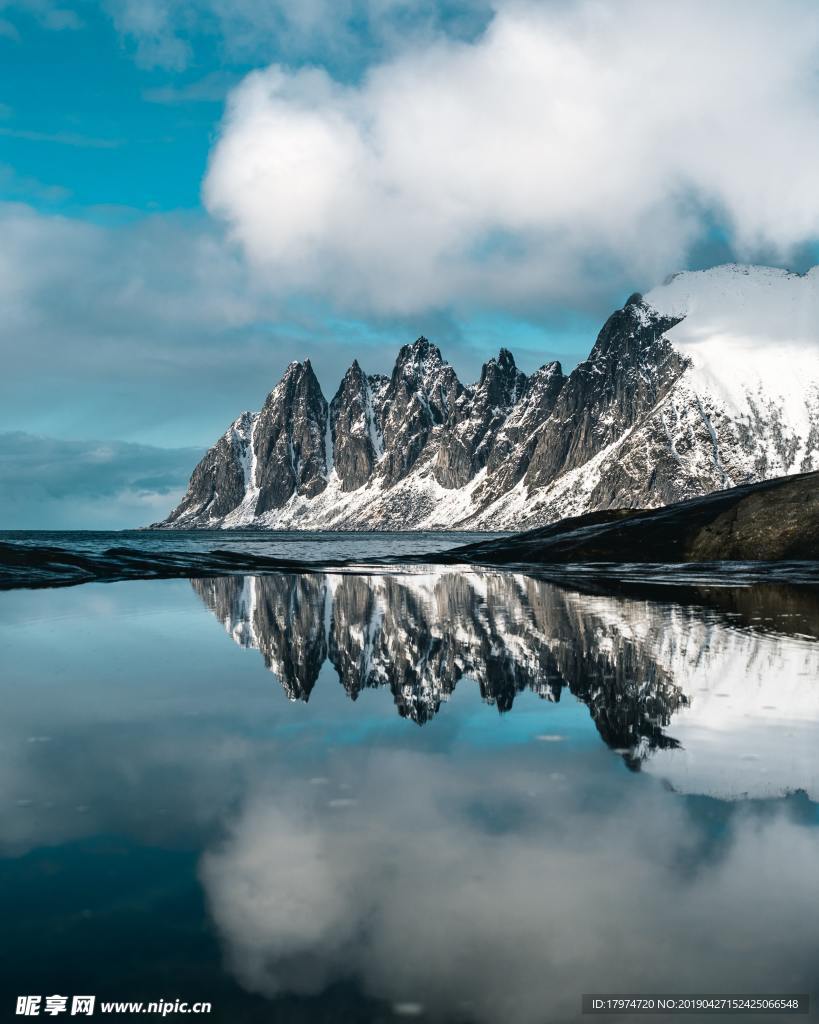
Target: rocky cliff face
(220, 482)
(770, 521)
(631, 367)
(419, 400)
(290, 441)
(357, 434)
(705, 383)
(471, 430)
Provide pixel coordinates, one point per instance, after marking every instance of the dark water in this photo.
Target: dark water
(443, 795)
(298, 545)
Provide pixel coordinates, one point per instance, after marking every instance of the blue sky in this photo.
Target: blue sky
(193, 194)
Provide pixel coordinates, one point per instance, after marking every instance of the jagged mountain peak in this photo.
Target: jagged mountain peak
(352, 373)
(421, 354)
(354, 428)
(501, 383)
(707, 381)
(629, 331)
(503, 358)
(503, 361)
(244, 420)
(297, 368)
(549, 369)
(421, 344)
(299, 376)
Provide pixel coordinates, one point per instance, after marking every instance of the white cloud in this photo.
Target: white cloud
(152, 25)
(571, 144)
(165, 268)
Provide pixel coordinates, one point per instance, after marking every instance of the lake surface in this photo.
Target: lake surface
(439, 794)
(297, 545)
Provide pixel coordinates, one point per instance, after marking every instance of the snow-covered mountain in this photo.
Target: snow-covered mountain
(706, 382)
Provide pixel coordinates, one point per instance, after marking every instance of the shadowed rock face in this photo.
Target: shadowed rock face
(770, 521)
(290, 436)
(631, 366)
(219, 481)
(511, 453)
(468, 438)
(357, 435)
(421, 395)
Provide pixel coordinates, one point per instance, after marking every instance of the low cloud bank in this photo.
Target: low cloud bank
(47, 483)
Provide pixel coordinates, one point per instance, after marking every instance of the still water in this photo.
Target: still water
(296, 545)
(442, 795)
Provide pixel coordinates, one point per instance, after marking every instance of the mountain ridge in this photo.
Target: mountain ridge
(709, 381)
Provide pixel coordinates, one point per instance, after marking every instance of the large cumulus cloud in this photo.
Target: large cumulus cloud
(569, 147)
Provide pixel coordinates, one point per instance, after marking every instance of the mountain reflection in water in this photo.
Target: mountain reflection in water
(716, 690)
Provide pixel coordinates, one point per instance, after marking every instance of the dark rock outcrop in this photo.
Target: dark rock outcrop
(770, 521)
(471, 429)
(421, 395)
(631, 366)
(516, 440)
(219, 482)
(356, 433)
(290, 440)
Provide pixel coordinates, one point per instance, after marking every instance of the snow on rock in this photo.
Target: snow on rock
(709, 381)
(752, 337)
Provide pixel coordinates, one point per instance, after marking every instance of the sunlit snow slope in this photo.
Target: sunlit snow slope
(752, 336)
